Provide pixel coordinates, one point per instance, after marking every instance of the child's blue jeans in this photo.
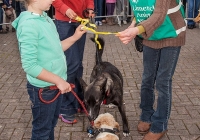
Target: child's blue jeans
(45, 116)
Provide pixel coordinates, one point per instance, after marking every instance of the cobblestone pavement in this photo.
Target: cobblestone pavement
(184, 123)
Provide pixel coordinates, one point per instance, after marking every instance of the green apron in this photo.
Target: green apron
(143, 9)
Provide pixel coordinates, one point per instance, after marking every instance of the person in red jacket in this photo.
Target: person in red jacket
(65, 13)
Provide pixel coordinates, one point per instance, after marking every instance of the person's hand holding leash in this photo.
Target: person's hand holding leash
(63, 86)
(79, 32)
(71, 14)
(132, 24)
(127, 35)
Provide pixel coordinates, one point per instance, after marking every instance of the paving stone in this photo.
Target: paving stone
(184, 123)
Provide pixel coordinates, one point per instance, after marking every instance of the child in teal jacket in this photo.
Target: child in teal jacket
(43, 60)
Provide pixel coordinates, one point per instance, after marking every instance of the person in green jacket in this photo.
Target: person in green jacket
(161, 25)
(43, 60)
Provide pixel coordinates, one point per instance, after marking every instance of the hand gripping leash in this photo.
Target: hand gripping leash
(57, 95)
(90, 28)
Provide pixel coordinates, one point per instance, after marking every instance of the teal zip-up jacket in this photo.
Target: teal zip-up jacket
(40, 47)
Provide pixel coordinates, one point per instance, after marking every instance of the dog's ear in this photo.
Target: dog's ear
(97, 123)
(109, 85)
(117, 125)
(83, 84)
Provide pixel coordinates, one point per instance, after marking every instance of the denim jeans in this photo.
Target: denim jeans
(74, 57)
(45, 116)
(98, 9)
(192, 7)
(1, 18)
(159, 66)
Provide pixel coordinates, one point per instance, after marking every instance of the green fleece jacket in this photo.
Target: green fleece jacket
(40, 47)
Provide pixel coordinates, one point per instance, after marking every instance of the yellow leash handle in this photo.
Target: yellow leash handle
(86, 21)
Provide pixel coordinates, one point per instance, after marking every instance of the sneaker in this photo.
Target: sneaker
(96, 23)
(124, 22)
(100, 23)
(70, 120)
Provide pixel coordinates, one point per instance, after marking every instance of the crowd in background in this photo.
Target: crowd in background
(104, 9)
(192, 12)
(8, 7)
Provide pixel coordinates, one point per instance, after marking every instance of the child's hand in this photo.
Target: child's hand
(79, 32)
(127, 35)
(63, 86)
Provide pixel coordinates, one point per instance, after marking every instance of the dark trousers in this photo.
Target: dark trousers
(110, 8)
(74, 57)
(184, 3)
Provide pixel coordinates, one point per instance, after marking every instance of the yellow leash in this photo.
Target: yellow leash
(91, 30)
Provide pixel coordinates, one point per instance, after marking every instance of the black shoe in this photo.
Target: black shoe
(190, 26)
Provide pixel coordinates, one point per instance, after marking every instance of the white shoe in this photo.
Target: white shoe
(100, 23)
(96, 23)
(124, 22)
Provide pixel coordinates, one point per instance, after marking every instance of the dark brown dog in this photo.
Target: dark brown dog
(106, 85)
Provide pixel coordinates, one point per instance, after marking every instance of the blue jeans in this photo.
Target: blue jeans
(192, 7)
(159, 66)
(98, 9)
(74, 57)
(45, 116)
(1, 18)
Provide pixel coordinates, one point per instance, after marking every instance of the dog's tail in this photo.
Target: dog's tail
(99, 52)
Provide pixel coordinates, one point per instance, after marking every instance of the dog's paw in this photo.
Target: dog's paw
(111, 106)
(90, 135)
(126, 134)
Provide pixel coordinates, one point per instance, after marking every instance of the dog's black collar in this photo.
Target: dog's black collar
(113, 131)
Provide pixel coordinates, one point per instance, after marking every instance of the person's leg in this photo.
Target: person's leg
(22, 6)
(196, 8)
(56, 114)
(1, 18)
(125, 10)
(7, 19)
(12, 18)
(190, 8)
(112, 8)
(184, 4)
(74, 56)
(81, 44)
(104, 11)
(167, 64)
(119, 8)
(109, 11)
(150, 63)
(45, 116)
(99, 10)
(17, 8)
